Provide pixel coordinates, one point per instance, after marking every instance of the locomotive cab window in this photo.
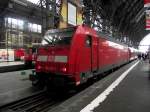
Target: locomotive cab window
(58, 37)
(88, 41)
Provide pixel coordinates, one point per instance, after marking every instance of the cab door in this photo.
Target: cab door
(94, 53)
(92, 43)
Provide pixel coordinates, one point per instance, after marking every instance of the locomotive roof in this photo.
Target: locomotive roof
(61, 30)
(110, 38)
(102, 35)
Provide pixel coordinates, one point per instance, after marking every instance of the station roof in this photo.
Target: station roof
(20, 9)
(127, 16)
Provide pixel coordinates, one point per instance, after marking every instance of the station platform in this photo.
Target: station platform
(125, 90)
(12, 66)
(2, 64)
(15, 86)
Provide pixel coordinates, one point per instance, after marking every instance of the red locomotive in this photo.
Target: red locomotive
(73, 55)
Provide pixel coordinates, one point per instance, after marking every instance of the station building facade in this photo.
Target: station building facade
(18, 33)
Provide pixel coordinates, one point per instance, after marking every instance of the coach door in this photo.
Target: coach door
(92, 43)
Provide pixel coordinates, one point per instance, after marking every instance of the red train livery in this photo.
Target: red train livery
(69, 57)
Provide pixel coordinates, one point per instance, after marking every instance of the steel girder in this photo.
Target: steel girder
(127, 16)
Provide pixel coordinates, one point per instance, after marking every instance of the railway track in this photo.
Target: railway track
(41, 102)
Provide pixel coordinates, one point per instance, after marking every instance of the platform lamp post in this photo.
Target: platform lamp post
(6, 45)
(6, 38)
(149, 53)
(7, 48)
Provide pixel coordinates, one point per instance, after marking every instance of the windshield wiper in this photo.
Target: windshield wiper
(48, 41)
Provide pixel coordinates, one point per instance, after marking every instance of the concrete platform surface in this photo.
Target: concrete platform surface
(13, 66)
(2, 64)
(15, 85)
(132, 94)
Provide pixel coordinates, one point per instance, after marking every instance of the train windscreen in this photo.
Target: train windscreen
(58, 37)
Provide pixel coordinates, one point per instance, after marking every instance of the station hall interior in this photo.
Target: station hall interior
(74, 55)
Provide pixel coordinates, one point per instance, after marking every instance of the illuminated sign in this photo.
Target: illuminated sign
(148, 20)
(147, 14)
(72, 14)
(6, 55)
(146, 3)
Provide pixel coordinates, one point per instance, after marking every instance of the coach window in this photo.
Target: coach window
(88, 41)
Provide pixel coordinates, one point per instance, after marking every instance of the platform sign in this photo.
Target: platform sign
(147, 14)
(146, 3)
(147, 19)
(72, 14)
(6, 55)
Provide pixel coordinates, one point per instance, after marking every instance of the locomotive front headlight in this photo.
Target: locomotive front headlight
(39, 67)
(64, 69)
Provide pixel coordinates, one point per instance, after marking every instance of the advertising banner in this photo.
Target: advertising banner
(147, 19)
(72, 14)
(147, 14)
(6, 55)
(146, 3)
